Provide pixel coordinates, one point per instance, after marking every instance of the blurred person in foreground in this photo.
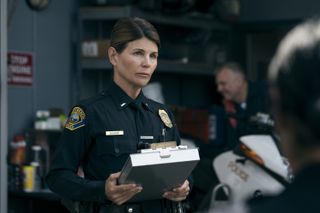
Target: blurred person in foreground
(294, 75)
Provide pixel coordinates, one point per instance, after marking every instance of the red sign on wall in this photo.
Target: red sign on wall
(20, 66)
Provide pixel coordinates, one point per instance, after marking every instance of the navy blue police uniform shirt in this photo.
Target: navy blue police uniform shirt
(99, 135)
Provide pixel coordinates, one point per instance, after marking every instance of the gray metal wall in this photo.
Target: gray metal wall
(48, 36)
(275, 10)
(270, 20)
(3, 108)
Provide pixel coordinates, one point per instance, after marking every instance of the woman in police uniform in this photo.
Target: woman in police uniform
(102, 131)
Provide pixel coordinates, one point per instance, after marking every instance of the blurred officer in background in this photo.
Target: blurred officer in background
(242, 100)
(102, 131)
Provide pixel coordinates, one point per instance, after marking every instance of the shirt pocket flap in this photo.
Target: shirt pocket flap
(115, 145)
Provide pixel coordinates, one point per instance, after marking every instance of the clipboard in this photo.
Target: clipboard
(158, 170)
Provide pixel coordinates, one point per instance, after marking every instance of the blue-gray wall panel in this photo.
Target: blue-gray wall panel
(54, 55)
(47, 34)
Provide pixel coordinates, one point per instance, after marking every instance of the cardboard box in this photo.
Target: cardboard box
(95, 49)
(203, 124)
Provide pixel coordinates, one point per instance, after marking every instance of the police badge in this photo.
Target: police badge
(165, 118)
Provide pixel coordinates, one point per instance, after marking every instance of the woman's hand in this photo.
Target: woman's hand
(119, 194)
(179, 193)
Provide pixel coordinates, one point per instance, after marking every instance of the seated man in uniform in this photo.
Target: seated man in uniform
(242, 100)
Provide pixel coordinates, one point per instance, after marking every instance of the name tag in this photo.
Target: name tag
(113, 133)
(146, 137)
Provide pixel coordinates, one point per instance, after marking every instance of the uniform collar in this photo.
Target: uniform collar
(122, 100)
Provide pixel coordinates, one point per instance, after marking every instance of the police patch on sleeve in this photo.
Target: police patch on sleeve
(165, 118)
(76, 119)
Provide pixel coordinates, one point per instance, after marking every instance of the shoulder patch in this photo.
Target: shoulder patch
(76, 119)
(165, 118)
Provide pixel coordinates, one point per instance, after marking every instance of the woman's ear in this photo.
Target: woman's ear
(112, 54)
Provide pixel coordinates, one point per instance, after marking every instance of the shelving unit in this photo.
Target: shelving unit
(95, 23)
(186, 20)
(42, 200)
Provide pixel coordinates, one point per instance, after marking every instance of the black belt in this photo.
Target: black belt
(125, 208)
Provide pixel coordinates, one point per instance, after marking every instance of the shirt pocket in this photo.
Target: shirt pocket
(115, 145)
(170, 134)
